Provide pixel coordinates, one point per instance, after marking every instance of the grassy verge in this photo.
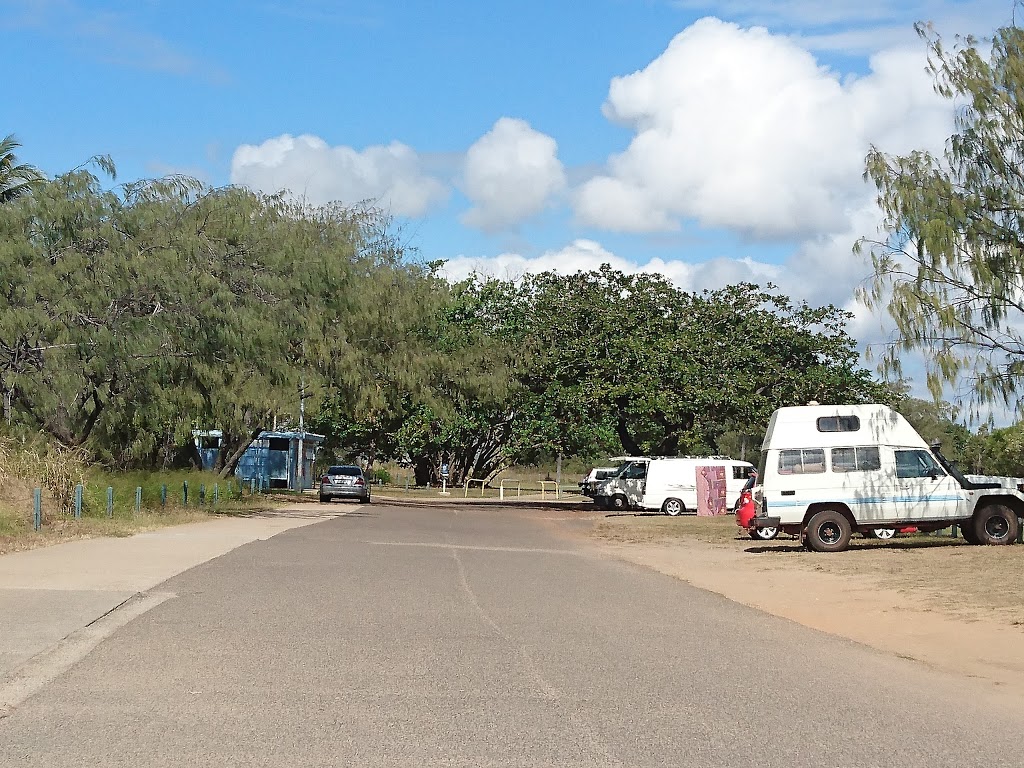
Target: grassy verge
(207, 495)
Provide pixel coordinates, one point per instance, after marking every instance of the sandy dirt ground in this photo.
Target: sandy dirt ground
(937, 601)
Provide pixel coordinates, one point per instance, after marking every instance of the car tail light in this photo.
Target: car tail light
(325, 479)
(360, 481)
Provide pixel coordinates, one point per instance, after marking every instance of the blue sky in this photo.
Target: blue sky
(711, 141)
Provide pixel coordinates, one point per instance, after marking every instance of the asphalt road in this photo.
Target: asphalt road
(399, 636)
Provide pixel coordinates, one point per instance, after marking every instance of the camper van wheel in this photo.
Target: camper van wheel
(618, 501)
(673, 507)
(763, 534)
(881, 533)
(967, 531)
(996, 524)
(829, 531)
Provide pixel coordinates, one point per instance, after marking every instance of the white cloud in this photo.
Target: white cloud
(741, 129)
(579, 255)
(391, 176)
(509, 174)
(585, 255)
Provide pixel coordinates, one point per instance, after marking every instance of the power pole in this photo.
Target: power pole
(302, 435)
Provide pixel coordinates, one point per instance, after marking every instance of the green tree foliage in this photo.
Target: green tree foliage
(950, 268)
(602, 362)
(995, 452)
(131, 316)
(467, 417)
(16, 179)
(668, 371)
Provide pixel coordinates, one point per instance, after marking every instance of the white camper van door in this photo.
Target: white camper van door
(923, 489)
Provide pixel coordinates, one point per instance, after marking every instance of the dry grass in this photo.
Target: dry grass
(660, 529)
(945, 573)
(53, 468)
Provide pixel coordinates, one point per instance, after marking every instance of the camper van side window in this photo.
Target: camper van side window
(838, 424)
(856, 459)
(804, 461)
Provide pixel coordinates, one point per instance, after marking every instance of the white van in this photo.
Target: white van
(669, 484)
(830, 470)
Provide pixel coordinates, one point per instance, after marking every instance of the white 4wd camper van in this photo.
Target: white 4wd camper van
(829, 470)
(668, 484)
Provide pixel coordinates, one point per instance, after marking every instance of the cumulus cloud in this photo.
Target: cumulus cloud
(742, 129)
(509, 174)
(392, 176)
(585, 255)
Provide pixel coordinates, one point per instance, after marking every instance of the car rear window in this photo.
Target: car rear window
(349, 471)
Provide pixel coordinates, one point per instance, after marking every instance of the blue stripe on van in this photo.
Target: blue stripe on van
(773, 503)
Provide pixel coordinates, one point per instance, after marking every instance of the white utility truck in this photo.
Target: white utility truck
(828, 471)
(668, 484)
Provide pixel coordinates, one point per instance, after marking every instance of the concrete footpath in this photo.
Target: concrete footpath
(48, 595)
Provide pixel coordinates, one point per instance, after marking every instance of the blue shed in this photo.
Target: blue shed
(272, 460)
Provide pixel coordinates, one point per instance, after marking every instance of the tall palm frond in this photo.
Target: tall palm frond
(15, 179)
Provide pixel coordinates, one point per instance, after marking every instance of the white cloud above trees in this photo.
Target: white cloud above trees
(391, 176)
(744, 130)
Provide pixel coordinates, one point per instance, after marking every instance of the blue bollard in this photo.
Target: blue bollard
(37, 504)
(78, 501)
(202, 493)
(138, 499)
(184, 493)
(216, 493)
(163, 495)
(110, 501)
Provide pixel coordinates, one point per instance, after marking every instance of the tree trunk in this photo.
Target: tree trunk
(422, 470)
(232, 462)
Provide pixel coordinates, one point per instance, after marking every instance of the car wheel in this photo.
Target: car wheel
(364, 500)
(763, 534)
(829, 531)
(325, 499)
(673, 507)
(618, 501)
(996, 524)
